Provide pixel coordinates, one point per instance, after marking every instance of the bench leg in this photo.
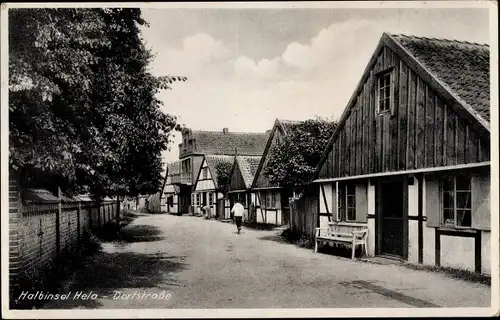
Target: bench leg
(316, 246)
(353, 250)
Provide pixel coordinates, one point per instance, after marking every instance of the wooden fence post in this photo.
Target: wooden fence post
(118, 210)
(89, 212)
(78, 226)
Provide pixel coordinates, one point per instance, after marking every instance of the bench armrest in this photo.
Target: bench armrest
(360, 233)
(320, 229)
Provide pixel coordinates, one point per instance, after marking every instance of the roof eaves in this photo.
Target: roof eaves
(266, 151)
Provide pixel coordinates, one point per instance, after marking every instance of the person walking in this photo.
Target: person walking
(208, 211)
(238, 211)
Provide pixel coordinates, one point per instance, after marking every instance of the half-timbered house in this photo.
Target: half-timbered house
(272, 203)
(410, 158)
(206, 190)
(244, 169)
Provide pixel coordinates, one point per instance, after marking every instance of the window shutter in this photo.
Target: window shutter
(392, 101)
(334, 208)
(341, 202)
(278, 199)
(361, 202)
(432, 205)
(481, 210)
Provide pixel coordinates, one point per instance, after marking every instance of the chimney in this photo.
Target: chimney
(225, 130)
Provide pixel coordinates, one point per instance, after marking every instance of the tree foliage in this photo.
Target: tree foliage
(293, 159)
(83, 112)
(224, 170)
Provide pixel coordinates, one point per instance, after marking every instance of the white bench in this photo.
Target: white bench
(333, 235)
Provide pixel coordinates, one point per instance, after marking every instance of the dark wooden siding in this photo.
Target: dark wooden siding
(422, 131)
(262, 180)
(237, 182)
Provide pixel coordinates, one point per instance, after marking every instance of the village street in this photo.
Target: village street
(205, 264)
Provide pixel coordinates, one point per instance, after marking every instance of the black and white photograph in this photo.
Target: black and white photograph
(249, 159)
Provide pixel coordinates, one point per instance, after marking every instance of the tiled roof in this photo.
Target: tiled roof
(462, 66)
(213, 160)
(248, 166)
(38, 196)
(174, 168)
(220, 143)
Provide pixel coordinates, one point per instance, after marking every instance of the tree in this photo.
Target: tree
(83, 109)
(224, 170)
(292, 161)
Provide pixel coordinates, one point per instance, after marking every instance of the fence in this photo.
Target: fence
(42, 227)
(154, 203)
(304, 213)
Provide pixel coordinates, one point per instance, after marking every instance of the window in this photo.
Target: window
(456, 201)
(347, 202)
(210, 198)
(271, 200)
(384, 92)
(197, 199)
(204, 173)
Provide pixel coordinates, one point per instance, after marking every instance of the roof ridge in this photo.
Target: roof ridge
(289, 121)
(440, 39)
(229, 132)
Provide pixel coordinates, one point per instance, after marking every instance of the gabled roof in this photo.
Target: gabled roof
(220, 143)
(463, 67)
(213, 161)
(286, 126)
(450, 67)
(248, 167)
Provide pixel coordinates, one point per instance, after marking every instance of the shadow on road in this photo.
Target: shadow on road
(259, 226)
(140, 233)
(369, 285)
(105, 273)
(275, 238)
(130, 234)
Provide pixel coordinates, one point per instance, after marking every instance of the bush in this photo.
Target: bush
(299, 240)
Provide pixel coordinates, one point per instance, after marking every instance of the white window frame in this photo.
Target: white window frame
(210, 198)
(197, 199)
(344, 216)
(454, 224)
(380, 76)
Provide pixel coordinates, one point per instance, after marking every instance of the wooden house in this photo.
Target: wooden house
(271, 199)
(170, 200)
(410, 158)
(244, 169)
(206, 189)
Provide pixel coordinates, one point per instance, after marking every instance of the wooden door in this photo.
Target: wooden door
(393, 218)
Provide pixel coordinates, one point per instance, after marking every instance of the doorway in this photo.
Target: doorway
(392, 230)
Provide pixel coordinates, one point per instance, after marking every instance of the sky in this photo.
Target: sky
(247, 67)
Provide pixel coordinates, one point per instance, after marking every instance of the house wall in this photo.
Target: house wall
(462, 248)
(264, 212)
(203, 199)
(170, 208)
(428, 243)
(422, 131)
(204, 183)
